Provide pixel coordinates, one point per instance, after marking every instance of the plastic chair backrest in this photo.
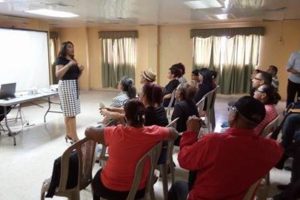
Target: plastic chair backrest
(212, 98)
(250, 195)
(201, 103)
(170, 147)
(270, 127)
(171, 143)
(85, 149)
(173, 123)
(207, 103)
(152, 155)
(171, 102)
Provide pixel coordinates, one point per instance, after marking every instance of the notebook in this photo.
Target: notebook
(8, 90)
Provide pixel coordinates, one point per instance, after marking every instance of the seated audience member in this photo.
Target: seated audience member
(184, 107)
(115, 112)
(195, 78)
(290, 127)
(181, 67)
(254, 72)
(260, 78)
(206, 84)
(173, 75)
(214, 75)
(128, 91)
(273, 71)
(147, 76)
(292, 190)
(155, 113)
(227, 164)
(127, 144)
(269, 97)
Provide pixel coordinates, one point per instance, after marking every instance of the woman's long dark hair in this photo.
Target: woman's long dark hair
(135, 112)
(128, 87)
(207, 76)
(153, 93)
(63, 49)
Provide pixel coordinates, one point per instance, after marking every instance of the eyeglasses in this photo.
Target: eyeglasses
(258, 79)
(232, 108)
(261, 91)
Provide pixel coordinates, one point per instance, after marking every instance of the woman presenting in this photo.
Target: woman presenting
(68, 72)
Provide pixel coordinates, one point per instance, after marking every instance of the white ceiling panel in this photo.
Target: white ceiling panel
(141, 12)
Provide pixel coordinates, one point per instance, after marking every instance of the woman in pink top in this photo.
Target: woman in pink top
(269, 97)
(127, 144)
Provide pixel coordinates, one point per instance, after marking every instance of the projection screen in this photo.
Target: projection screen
(24, 58)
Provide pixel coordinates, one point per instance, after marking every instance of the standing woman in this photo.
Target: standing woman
(184, 107)
(68, 72)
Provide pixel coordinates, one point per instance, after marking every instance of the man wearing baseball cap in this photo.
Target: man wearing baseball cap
(226, 164)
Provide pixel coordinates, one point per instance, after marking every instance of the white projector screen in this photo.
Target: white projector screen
(24, 58)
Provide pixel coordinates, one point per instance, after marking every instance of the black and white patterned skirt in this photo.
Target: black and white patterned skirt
(69, 97)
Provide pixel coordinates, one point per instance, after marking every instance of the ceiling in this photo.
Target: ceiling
(149, 12)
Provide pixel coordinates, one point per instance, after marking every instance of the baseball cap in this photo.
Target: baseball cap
(250, 108)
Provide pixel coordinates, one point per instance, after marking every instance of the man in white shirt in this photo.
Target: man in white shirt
(293, 67)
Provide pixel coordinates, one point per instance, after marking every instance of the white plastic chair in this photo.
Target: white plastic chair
(85, 149)
(169, 108)
(169, 163)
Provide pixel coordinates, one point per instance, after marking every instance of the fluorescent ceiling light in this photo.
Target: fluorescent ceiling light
(226, 3)
(203, 4)
(52, 13)
(1, 1)
(222, 16)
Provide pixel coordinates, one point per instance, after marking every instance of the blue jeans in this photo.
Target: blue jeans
(293, 190)
(289, 129)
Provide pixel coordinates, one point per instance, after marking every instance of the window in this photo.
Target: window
(233, 55)
(118, 56)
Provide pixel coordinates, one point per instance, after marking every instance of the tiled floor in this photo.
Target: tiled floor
(24, 166)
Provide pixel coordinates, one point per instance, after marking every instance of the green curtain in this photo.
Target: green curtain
(239, 59)
(233, 58)
(229, 32)
(205, 46)
(118, 60)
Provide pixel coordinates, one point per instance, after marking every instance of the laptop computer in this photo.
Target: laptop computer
(8, 90)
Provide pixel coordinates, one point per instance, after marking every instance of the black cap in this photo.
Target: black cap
(252, 109)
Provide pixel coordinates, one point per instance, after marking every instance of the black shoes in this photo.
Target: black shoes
(69, 140)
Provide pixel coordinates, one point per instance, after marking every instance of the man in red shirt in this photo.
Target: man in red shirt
(226, 164)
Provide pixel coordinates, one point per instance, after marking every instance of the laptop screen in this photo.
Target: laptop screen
(8, 90)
